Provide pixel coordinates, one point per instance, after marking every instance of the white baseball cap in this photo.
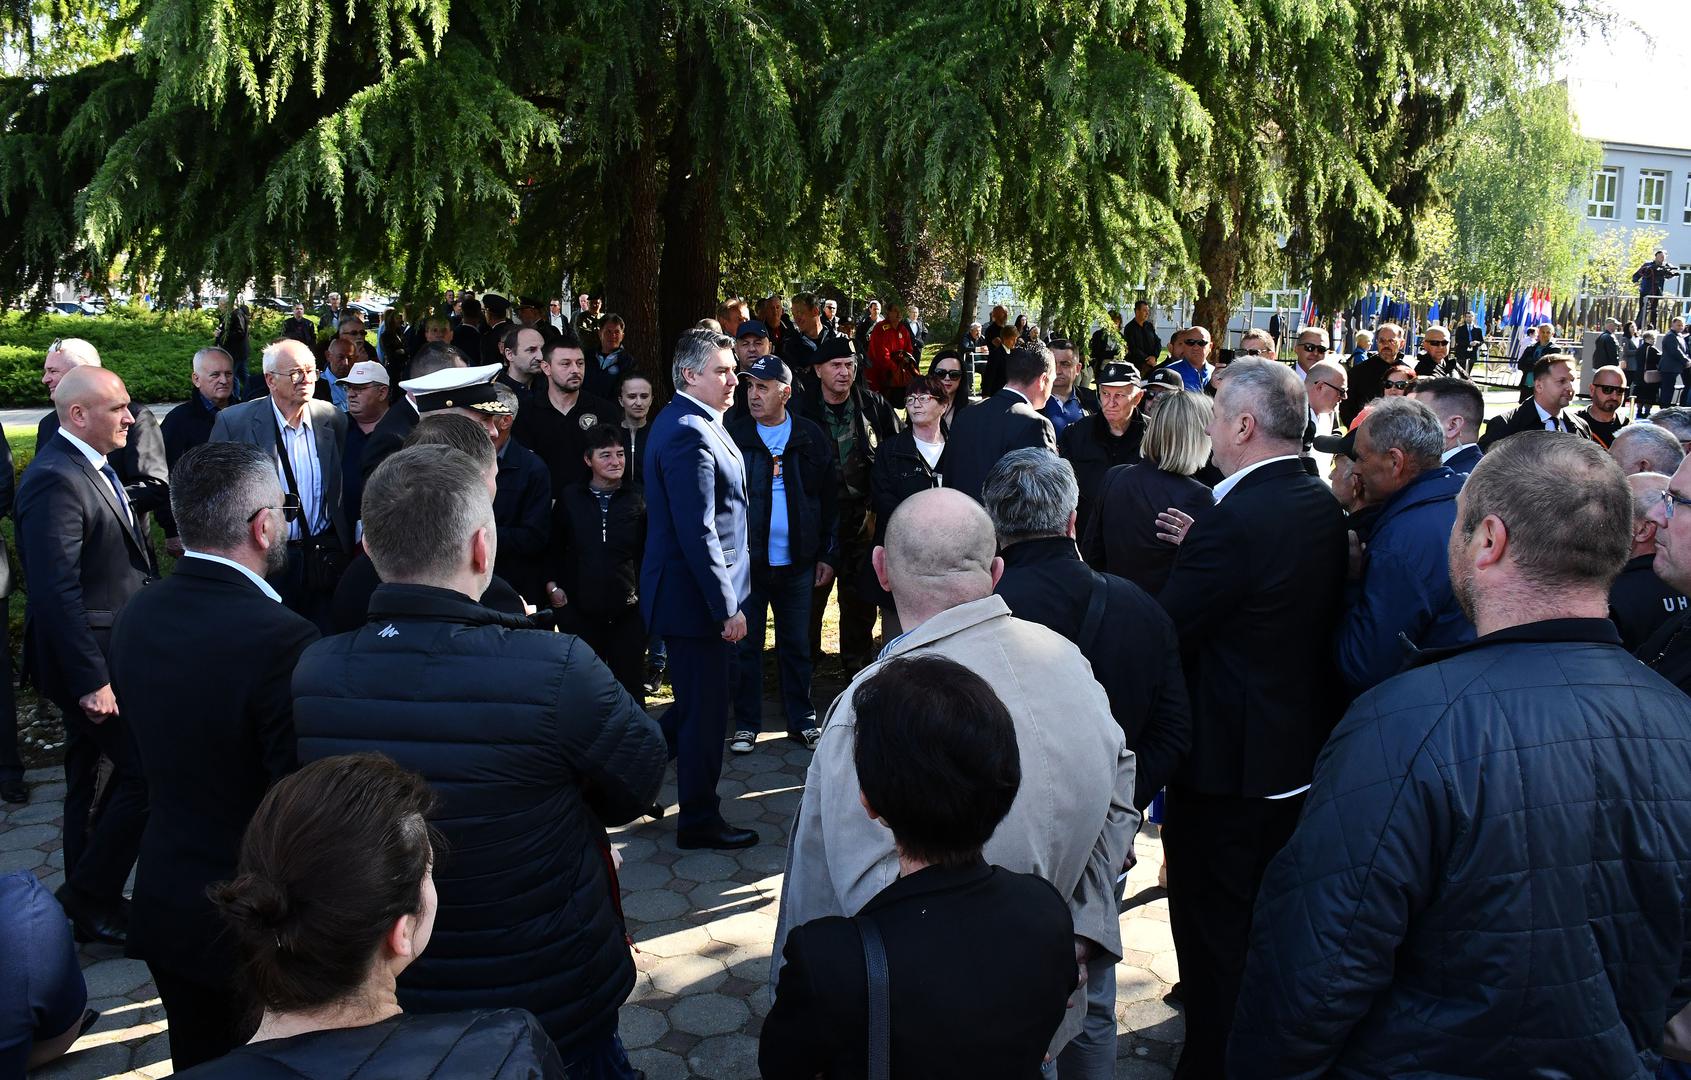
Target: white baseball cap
(367, 371)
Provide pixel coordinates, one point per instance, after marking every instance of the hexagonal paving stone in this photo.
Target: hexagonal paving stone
(760, 1001)
(107, 1060)
(654, 905)
(750, 962)
(52, 881)
(721, 898)
(118, 976)
(745, 928)
(725, 1057)
(1136, 984)
(1154, 1020)
(759, 762)
(27, 836)
(691, 974)
(678, 942)
(741, 812)
(658, 1064)
(1146, 935)
(1134, 1068)
(635, 848)
(704, 866)
(640, 1026)
(36, 813)
(48, 793)
(152, 1052)
(1166, 966)
(708, 1014)
(767, 858)
(23, 859)
(635, 876)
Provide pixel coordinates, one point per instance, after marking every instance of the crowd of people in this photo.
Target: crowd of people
(1405, 687)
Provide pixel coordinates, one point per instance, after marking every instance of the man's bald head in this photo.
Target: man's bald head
(93, 405)
(84, 385)
(940, 552)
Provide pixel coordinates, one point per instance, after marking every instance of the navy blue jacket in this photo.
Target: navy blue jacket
(1467, 459)
(812, 488)
(522, 511)
(533, 748)
(695, 574)
(1405, 587)
(1490, 877)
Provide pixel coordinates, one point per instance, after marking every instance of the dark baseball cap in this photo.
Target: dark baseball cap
(1164, 379)
(1342, 444)
(770, 368)
(752, 328)
(835, 347)
(1119, 374)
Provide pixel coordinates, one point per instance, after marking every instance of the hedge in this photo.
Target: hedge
(151, 350)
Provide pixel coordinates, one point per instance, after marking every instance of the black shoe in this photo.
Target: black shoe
(14, 791)
(89, 921)
(720, 836)
(1173, 997)
(655, 811)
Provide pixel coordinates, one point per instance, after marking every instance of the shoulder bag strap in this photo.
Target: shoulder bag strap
(293, 484)
(880, 1000)
(1094, 620)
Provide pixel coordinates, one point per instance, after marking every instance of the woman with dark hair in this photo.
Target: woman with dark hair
(1543, 344)
(975, 964)
(1399, 381)
(947, 369)
(1649, 364)
(904, 465)
(334, 898)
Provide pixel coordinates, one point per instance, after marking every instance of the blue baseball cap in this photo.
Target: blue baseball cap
(751, 328)
(769, 368)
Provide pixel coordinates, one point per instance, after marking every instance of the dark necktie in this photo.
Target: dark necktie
(110, 474)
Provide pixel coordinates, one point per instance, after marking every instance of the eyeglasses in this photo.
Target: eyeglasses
(290, 509)
(1399, 384)
(1252, 352)
(1339, 390)
(1669, 499)
(913, 398)
(1607, 389)
(1312, 346)
(298, 374)
(1430, 342)
(949, 374)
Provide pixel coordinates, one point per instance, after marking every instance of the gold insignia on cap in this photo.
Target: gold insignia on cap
(449, 403)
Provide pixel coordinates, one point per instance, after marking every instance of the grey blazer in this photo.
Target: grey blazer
(254, 422)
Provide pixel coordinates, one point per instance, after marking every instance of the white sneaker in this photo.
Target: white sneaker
(812, 736)
(744, 742)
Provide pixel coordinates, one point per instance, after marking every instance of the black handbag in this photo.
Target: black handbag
(880, 1000)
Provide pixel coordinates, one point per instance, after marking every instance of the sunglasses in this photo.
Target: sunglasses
(949, 374)
(1608, 389)
(1399, 384)
(1339, 390)
(1194, 341)
(1429, 343)
(1311, 346)
(290, 509)
(1252, 352)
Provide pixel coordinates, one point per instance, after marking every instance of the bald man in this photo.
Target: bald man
(83, 557)
(1073, 820)
(141, 463)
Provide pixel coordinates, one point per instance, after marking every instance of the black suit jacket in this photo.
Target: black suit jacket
(1465, 459)
(388, 436)
(210, 747)
(1524, 417)
(980, 962)
(1256, 594)
(141, 464)
(986, 432)
(82, 562)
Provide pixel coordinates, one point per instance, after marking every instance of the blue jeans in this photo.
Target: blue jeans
(602, 1059)
(786, 590)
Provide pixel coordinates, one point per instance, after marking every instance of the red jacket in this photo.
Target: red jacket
(886, 339)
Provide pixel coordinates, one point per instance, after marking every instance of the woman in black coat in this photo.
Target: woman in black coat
(1121, 537)
(904, 465)
(1649, 360)
(1545, 343)
(946, 370)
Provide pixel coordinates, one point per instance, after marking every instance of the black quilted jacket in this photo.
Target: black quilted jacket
(503, 1045)
(533, 748)
(1491, 875)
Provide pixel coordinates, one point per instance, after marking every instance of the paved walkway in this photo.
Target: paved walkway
(703, 922)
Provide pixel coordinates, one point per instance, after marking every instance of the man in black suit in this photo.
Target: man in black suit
(1256, 594)
(979, 960)
(141, 463)
(211, 747)
(1547, 409)
(84, 557)
(1368, 377)
(1460, 408)
(12, 786)
(1008, 420)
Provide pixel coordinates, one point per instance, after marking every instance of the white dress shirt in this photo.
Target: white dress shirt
(1232, 482)
(1444, 459)
(98, 460)
(300, 443)
(263, 586)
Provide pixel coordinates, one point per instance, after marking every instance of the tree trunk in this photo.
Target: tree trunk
(973, 269)
(1220, 250)
(691, 273)
(631, 285)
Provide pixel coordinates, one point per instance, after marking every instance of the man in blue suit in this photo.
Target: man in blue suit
(696, 574)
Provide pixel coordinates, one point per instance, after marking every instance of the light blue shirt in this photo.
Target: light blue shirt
(301, 446)
(263, 586)
(337, 390)
(780, 542)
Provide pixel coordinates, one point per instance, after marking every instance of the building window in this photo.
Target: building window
(1652, 194)
(1688, 198)
(1605, 186)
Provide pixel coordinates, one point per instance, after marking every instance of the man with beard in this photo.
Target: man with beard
(210, 748)
(554, 423)
(1546, 409)
(1368, 377)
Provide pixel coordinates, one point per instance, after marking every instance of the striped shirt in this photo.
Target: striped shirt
(301, 445)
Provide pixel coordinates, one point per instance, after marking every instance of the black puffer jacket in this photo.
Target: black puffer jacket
(533, 748)
(1491, 875)
(506, 1044)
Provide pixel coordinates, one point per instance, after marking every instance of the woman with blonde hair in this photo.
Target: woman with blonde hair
(1121, 537)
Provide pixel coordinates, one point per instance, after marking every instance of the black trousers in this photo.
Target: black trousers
(619, 641)
(696, 726)
(101, 845)
(11, 759)
(206, 1022)
(1217, 847)
(857, 610)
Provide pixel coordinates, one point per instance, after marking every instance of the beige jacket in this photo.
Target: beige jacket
(1072, 822)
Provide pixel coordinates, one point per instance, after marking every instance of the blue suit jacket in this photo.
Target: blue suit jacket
(696, 573)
